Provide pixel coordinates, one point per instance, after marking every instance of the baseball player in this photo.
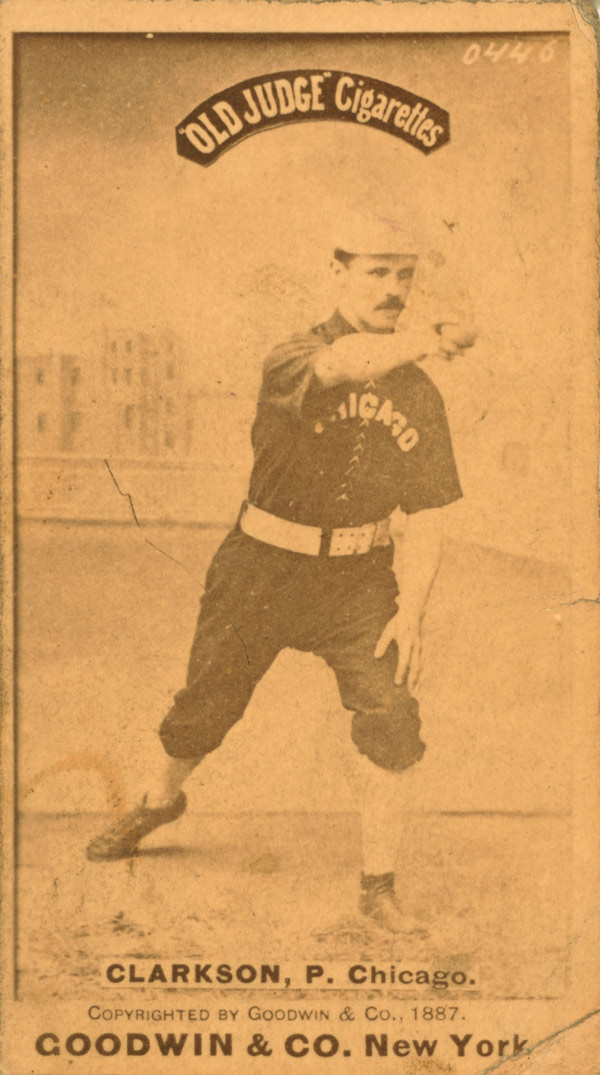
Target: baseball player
(348, 428)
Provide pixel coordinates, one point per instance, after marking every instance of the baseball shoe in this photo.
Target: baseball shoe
(122, 838)
(380, 904)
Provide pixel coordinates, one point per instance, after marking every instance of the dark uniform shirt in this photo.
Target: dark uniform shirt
(348, 454)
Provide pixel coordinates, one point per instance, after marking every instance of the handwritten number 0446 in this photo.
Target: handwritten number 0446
(519, 52)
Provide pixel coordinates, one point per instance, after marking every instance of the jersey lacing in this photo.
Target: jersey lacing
(357, 452)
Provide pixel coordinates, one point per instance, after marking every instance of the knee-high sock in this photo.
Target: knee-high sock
(386, 797)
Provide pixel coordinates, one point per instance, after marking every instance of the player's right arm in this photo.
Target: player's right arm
(364, 356)
(292, 366)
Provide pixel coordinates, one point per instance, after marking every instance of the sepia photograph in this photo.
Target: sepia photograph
(298, 488)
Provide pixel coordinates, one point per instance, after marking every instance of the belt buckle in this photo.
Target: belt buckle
(343, 541)
(352, 541)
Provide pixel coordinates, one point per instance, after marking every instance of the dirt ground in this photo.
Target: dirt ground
(491, 892)
(268, 851)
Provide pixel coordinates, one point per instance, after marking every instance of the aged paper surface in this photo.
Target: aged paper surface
(183, 176)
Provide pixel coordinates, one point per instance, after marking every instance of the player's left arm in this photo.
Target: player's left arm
(421, 553)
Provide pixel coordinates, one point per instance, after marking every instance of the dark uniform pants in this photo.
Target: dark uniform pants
(259, 600)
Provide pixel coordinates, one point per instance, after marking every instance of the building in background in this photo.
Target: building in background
(148, 402)
(56, 395)
(132, 400)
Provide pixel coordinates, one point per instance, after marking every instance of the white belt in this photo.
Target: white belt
(313, 540)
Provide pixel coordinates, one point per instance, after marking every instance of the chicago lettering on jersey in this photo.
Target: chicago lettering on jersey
(366, 406)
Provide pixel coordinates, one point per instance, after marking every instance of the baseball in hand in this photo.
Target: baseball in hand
(461, 334)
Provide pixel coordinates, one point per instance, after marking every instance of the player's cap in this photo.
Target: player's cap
(379, 233)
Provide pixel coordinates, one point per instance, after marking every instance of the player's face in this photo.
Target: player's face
(374, 288)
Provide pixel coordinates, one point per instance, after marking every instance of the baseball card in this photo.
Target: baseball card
(300, 538)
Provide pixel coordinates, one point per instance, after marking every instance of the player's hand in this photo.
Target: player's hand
(456, 337)
(407, 636)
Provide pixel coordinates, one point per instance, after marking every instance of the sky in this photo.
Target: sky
(115, 231)
(118, 234)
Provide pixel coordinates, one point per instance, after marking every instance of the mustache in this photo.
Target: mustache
(392, 303)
